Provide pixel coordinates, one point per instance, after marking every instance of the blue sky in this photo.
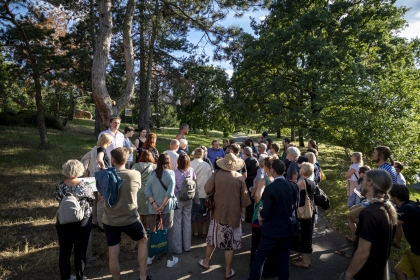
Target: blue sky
(412, 31)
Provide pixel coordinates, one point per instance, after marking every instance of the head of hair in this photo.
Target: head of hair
(311, 157)
(295, 152)
(120, 155)
(248, 151)
(174, 143)
(398, 165)
(198, 153)
(269, 141)
(364, 169)
(287, 140)
(235, 148)
(214, 141)
(313, 144)
(400, 191)
(225, 141)
(183, 126)
(183, 142)
(249, 142)
(231, 141)
(72, 168)
(150, 141)
(146, 156)
(104, 139)
(114, 117)
(163, 163)
(128, 129)
(307, 169)
(242, 145)
(358, 156)
(382, 183)
(275, 147)
(183, 161)
(313, 151)
(278, 166)
(263, 146)
(385, 153)
(204, 148)
(141, 129)
(269, 160)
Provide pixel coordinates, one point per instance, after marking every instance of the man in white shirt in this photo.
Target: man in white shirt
(172, 152)
(118, 141)
(400, 178)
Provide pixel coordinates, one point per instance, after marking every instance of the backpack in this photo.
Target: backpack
(69, 210)
(187, 191)
(321, 198)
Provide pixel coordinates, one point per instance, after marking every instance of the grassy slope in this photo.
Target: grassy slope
(28, 177)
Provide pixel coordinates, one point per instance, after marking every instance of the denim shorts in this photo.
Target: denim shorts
(135, 231)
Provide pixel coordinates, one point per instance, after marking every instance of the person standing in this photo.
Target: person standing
(276, 217)
(408, 220)
(150, 145)
(74, 234)
(183, 146)
(285, 143)
(352, 175)
(262, 149)
(128, 133)
(375, 231)
(215, 152)
(183, 130)
(293, 169)
(398, 168)
(252, 167)
(173, 153)
(380, 155)
(230, 198)
(140, 141)
(123, 216)
(118, 137)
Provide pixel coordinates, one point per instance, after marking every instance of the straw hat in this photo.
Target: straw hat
(230, 163)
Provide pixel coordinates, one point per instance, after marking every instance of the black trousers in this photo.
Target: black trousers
(306, 232)
(77, 235)
(271, 263)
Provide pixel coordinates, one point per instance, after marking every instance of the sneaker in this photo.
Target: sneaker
(170, 263)
(150, 260)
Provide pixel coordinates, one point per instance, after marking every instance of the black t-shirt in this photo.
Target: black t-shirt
(107, 160)
(409, 213)
(310, 189)
(251, 164)
(374, 226)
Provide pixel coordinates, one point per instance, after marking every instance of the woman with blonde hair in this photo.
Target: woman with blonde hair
(312, 159)
(102, 157)
(74, 234)
(352, 174)
(199, 212)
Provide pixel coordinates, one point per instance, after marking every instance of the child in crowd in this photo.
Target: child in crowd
(400, 178)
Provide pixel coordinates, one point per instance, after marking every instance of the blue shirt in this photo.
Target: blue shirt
(391, 170)
(213, 154)
(155, 189)
(128, 144)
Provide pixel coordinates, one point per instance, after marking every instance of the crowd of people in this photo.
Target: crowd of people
(269, 187)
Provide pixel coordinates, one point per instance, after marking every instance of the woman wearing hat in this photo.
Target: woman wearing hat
(230, 198)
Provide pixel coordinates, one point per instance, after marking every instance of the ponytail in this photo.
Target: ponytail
(391, 161)
(391, 212)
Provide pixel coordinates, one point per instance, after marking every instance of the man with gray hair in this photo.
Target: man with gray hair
(183, 130)
(262, 149)
(183, 147)
(173, 153)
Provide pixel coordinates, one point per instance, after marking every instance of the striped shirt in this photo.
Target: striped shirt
(391, 170)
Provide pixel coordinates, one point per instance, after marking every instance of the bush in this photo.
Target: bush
(28, 118)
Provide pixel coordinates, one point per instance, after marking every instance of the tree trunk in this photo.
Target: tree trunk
(292, 134)
(100, 93)
(279, 133)
(98, 123)
(301, 142)
(45, 143)
(71, 109)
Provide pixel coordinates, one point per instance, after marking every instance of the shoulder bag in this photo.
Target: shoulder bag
(175, 201)
(305, 212)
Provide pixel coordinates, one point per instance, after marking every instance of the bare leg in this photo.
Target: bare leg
(209, 252)
(114, 265)
(400, 275)
(203, 227)
(142, 257)
(228, 262)
(352, 229)
(195, 229)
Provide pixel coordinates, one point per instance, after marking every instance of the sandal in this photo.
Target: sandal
(342, 253)
(201, 263)
(300, 259)
(232, 273)
(300, 264)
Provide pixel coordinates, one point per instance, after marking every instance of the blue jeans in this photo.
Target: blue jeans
(267, 244)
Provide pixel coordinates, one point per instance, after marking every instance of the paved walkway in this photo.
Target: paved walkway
(325, 264)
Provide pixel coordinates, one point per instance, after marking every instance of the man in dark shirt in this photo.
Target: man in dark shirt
(408, 221)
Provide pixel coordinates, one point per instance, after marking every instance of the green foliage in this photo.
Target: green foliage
(28, 118)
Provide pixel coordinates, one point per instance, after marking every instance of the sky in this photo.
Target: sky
(412, 31)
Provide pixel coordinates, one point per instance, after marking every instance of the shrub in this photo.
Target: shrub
(28, 118)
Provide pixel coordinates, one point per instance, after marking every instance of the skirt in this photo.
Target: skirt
(197, 212)
(224, 237)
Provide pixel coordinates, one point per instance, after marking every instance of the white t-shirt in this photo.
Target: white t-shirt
(353, 177)
(401, 179)
(173, 156)
(117, 142)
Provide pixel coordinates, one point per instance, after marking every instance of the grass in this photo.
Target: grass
(28, 243)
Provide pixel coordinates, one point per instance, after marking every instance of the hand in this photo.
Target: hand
(160, 209)
(155, 207)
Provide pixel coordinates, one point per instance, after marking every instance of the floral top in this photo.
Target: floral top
(82, 191)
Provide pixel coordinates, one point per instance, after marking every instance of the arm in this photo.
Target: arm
(399, 233)
(359, 259)
(294, 177)
(268, 204)
(350, 173)
(136, 143)
(259, 191)
(100, 160)
(244, 174)
(178, 137)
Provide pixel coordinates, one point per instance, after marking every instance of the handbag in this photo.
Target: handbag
(175, 201)
(209, 202)
(306, 211)
(158, 239)
(321, 173)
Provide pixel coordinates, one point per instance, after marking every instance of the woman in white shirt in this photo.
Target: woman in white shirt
(353, 174)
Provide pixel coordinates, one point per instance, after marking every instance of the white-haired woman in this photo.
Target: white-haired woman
(352, 175)
(293, 169)
(74, 234)
(375, 231)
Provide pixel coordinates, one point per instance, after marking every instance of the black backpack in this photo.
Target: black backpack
(321, 198)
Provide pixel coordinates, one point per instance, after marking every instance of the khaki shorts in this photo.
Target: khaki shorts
(353, 214)
(409, 264)
(351, 185)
